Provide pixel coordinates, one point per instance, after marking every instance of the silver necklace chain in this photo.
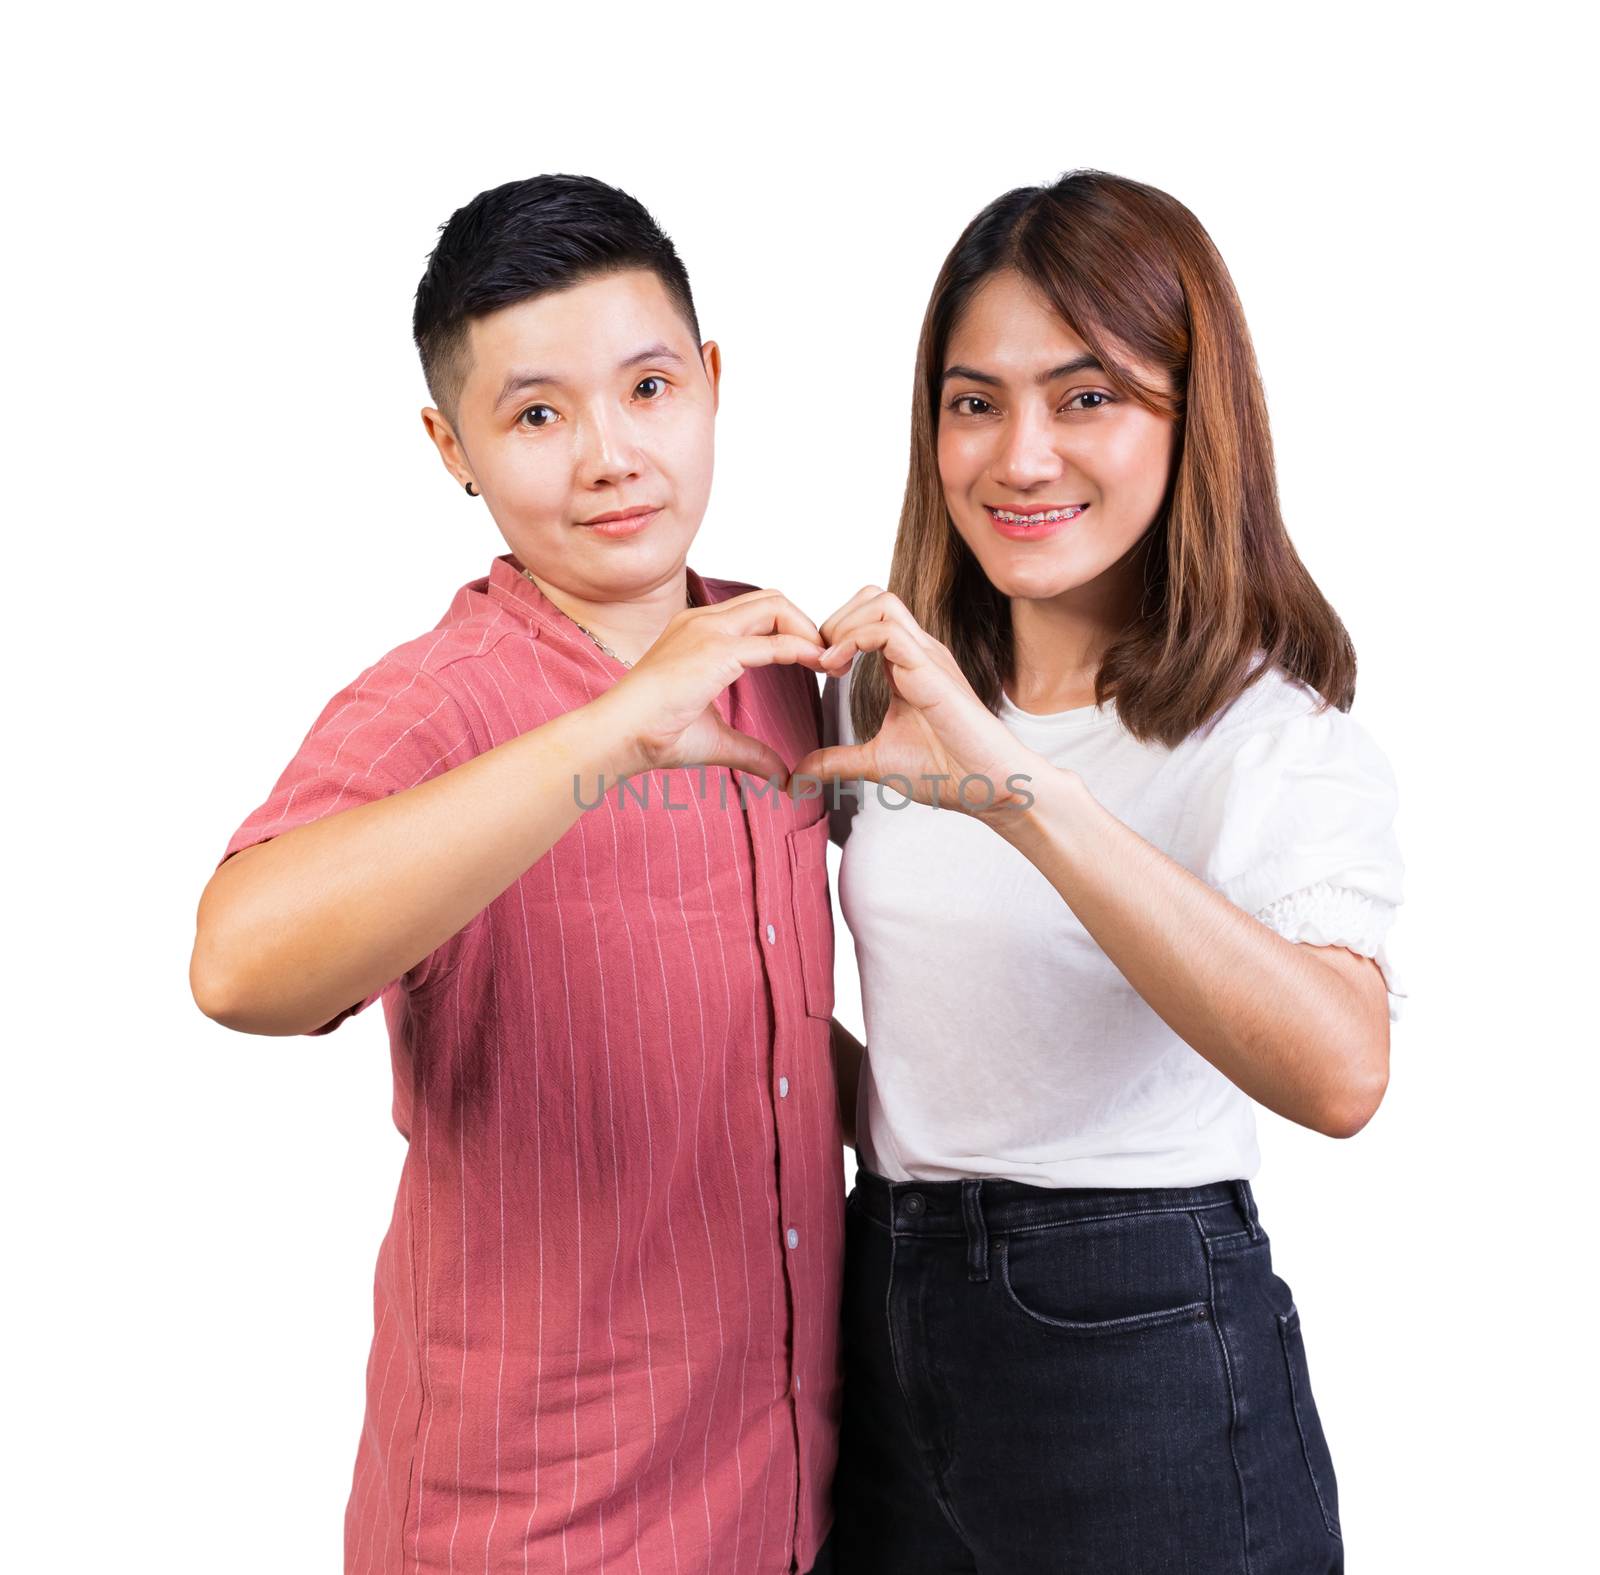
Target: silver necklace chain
(688, 601)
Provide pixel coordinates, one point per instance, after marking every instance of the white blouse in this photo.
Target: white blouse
(1001, 1040)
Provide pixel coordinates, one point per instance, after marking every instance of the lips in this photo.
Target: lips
(620, 522)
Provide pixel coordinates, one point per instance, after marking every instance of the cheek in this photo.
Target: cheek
(960, 457)
(533, 474)
(1141, 458)
(686, 451)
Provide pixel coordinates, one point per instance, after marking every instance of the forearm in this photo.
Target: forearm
(291, 931)
(847, 1054)
(1276, 1021)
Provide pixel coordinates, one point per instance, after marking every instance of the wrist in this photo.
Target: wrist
(606, 740)
(1045, 796)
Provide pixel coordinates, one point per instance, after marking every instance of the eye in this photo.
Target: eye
(535, 410)
(968, 399)
(659, 383)
(1089, 393)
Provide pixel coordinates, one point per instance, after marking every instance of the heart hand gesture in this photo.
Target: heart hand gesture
(939, 744)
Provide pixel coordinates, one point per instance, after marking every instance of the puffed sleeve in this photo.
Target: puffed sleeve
(388, 729)
(843, 798)
(1299, 832)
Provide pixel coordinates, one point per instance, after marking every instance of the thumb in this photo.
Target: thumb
(741, 752)
(845, 761)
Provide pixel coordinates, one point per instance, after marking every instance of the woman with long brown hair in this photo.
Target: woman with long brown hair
(1117, 862)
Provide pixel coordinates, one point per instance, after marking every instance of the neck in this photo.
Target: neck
(1059, 642)
(629, 626)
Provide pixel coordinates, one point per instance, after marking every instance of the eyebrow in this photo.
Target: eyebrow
(1083, 363)
(518, 382)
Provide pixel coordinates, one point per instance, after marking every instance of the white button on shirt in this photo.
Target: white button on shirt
(1001, 1040)
(772, 935)
(783, 1088)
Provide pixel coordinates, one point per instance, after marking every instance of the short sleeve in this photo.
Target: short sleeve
(391, 728)
(1299, 832)
(844, 801)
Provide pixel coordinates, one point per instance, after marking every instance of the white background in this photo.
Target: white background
(222, 506)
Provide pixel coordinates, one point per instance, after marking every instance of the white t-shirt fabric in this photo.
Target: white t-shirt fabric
(1001, 1040)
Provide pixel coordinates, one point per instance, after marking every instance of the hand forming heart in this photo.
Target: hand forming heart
(939, 744)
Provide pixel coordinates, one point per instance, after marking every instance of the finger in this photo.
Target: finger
(764, 612)
(741, 752)
(762, 650)
(900, 645)
(864, 594)
(887, 608)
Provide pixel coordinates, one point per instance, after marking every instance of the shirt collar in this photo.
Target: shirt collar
(509, 586)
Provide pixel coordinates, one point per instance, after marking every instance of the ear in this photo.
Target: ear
(711, 359)
(437, 426)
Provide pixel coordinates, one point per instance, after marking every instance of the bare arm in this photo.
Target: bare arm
(293, 930)
(1303, 1029)
(290, 932)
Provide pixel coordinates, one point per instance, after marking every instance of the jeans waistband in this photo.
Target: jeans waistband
(975, 1206)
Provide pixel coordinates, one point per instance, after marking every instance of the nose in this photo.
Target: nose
(606, 451)
(1027, 455)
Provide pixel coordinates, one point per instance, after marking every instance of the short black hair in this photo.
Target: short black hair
(527, 238)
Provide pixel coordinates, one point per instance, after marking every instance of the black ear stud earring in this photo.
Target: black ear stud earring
(472, 491)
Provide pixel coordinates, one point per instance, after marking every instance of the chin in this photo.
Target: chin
(1035, 581)
(630, 565)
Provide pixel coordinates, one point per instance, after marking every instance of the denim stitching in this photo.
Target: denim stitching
(888, 1320)
(1132, 1322)
(1233, 1401)
(1300, 1426)
(940, 1449)
(1127, 1214)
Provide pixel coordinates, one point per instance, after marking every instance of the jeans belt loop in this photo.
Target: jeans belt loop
(977, 1232)
(1247, 1206)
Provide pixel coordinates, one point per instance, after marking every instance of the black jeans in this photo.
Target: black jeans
(1084, 1380)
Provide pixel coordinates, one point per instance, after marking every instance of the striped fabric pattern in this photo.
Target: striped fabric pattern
(605, 1311)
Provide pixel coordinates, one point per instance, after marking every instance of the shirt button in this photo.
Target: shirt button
(772, 935)
(783, 1088)
(793, 1237)
(914, 1203)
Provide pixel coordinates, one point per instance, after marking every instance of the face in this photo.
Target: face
(586, 424)
(1029, 427)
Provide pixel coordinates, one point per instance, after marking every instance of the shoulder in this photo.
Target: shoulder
(1273, 699)
(1292, 816)
(447, 662)
(1282, 770)
(1280, 718)
(1279, 761)
(426, 688)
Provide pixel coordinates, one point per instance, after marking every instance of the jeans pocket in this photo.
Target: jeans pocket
(1089, 1281)
(1319, 1463)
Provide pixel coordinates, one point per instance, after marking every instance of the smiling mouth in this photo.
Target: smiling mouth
(1068, 511)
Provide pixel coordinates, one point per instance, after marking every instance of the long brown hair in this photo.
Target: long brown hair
(1124, 263)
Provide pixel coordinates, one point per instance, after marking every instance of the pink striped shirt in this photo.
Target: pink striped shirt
(606, 1308)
